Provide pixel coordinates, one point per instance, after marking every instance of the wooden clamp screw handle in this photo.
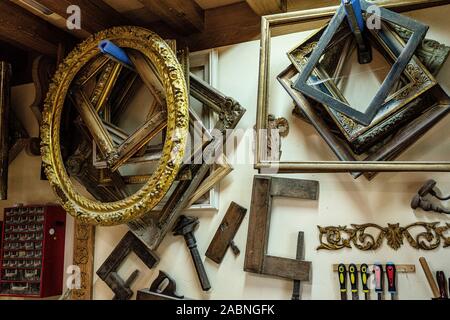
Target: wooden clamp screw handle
(429, 275)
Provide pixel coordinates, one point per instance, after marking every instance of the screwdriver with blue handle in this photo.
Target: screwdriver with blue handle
(391, 273)
(353, 273)
(364, 270)
(378, 273)
(342, 271)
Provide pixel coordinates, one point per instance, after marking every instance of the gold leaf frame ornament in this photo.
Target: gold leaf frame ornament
(340, 237)
(166, 64)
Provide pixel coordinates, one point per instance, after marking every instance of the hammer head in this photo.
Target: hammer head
(427, 188)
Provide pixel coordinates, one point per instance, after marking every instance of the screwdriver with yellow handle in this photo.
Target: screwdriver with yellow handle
(364, 270)
(342, 271)
(353, 273)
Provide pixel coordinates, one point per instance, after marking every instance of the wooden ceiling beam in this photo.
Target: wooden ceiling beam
(226, 25)
(238, 23)
(95, 15)
(264, 7)
(26, 31)
(295, 5)
(184, 16)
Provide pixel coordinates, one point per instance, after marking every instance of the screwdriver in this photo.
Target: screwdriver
(342, 269)
(442, 284)
(391, 272)
(364, 280)
(378, 272)
(353, 272)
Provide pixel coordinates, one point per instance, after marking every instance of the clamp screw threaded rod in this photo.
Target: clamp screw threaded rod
(185, 227)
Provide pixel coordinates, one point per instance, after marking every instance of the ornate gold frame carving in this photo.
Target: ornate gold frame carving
(332, 238)
(171, 73)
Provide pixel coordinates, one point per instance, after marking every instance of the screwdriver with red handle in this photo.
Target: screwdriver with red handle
(391, 273)
(378, 272)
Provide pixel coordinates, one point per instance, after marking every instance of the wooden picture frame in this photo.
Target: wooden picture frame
(256, 258)
(302, 20)
(378, 102)
(5, 109)
(154, 226)
(207, 61)
(404, 104)
(437, 108)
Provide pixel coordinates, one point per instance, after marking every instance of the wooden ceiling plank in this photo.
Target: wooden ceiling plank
(184, 16)
(226, 25)
(95, 15)
(238, 23)
(264, 7)
(25, 30)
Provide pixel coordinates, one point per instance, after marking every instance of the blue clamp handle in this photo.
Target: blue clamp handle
(109, 48)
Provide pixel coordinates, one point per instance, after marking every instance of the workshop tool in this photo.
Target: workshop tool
(185, 227)
(108, 271)
(392, 279)
(296, 291)
(353, 273)
(364, 270)
(442, 283)
(356, 22)
(429, 275)
(418, 202)
(114, 52)
(128, 283)
(257, 260)
(379, 283)
(223, 238)
(342, 270)
(162, 288)
(428, 188)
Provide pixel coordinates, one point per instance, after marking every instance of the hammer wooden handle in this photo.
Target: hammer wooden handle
(430, 278)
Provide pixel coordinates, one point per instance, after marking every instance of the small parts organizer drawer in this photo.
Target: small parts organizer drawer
(32, 251)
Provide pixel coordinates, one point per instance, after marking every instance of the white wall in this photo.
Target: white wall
(342, 200)
(24, 184)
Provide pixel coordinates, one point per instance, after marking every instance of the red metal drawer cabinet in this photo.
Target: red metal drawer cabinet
(32, 251)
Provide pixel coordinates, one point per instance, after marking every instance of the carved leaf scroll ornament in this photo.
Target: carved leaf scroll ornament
(365, 237)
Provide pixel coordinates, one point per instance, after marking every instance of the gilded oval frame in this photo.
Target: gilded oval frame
(177, 97)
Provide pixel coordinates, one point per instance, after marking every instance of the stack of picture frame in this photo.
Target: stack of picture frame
(357, 154)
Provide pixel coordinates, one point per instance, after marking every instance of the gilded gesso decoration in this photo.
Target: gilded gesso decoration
(364, 237)
(134, 206)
